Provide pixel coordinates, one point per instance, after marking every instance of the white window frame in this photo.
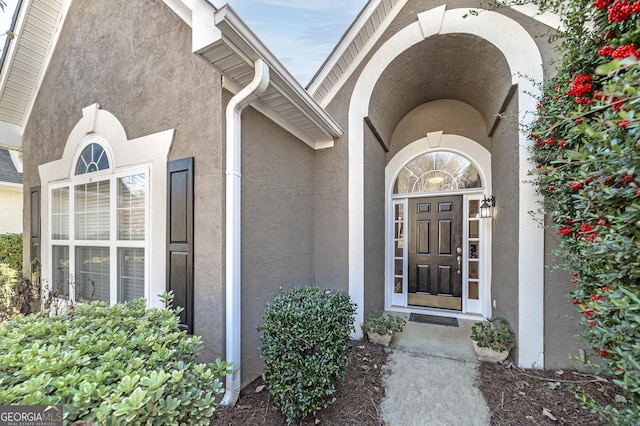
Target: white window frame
(113, 243)
(126, 156)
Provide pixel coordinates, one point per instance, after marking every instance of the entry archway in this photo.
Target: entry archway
(525, 63)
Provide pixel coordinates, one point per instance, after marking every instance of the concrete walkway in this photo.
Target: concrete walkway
(432, 378)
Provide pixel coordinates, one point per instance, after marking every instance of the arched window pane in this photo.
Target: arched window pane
(92, 159)
(437, 172)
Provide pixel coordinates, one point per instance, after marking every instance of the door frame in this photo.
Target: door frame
(481, 158)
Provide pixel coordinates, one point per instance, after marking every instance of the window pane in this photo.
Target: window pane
(92, 275)
(92, 159)
(131, 207)
(131, 273)
(92, 211)
(60, 271)
(60, 214)
(436, 172)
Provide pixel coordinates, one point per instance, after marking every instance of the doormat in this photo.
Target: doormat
(432, 319)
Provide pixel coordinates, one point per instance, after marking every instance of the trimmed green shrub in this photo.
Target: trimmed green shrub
(305, 339)
(11, 251)
(117, 365)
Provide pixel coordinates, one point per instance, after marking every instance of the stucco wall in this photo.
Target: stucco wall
(11, 206)
(506, 183)
(134, 58)
(374, 161)
(332, 204)
(561, 318)
(278, 217)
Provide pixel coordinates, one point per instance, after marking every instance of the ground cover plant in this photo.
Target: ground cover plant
(587, 156)
(305, 345)
(115, 365)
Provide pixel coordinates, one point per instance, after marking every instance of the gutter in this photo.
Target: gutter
(233, 225)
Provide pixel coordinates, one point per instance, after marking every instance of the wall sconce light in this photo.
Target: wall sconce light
(487, 206)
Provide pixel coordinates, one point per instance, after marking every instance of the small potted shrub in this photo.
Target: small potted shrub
(379, 328)
(492, 339)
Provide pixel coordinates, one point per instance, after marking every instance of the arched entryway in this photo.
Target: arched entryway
(440, 35)
(438, 249)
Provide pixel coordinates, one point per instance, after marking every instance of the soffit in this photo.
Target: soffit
(27, 57)
(234, 52)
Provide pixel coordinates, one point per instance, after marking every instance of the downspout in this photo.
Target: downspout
(233, 222)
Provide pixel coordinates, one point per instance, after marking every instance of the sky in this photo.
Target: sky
(300, 33)
(5, 19)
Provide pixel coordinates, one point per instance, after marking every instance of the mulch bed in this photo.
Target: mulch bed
(542, 397)
(514, 396)
(357, 401)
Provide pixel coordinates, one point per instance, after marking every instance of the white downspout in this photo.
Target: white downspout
(233, 221)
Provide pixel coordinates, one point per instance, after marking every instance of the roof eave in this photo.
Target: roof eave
(234, 35)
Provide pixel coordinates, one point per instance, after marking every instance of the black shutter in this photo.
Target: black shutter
(180, 237)
(34, 242)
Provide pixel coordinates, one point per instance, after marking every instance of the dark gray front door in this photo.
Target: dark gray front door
(435, 252)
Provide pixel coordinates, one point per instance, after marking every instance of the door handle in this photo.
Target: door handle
(459, 259)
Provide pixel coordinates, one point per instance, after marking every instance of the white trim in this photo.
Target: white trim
(346, 42)
(481, 159)
(149, 151)
(525, 63)
(47, 60)
(16, 159)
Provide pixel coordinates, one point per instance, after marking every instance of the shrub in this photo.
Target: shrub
(117, 365)
(11, 251)
(382, 324)
(494, 334)
(587, 159)
(305, 339)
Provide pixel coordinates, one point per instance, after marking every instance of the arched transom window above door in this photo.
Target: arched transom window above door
(438, 171)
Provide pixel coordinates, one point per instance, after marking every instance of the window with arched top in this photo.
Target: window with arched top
(92, 159)
(98, 228)
(439, 171)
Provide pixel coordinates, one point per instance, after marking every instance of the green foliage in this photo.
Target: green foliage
(305, 339)
(587, 153)
(117, 365)
(494, 334)
(382, 324)
(11, 251)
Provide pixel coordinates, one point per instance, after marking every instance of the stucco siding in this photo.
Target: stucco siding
(506, 181)
(134, 59)
(561, 318)
(278, 217)
(374, 158)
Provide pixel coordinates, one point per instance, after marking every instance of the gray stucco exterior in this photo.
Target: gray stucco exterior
(135, 59)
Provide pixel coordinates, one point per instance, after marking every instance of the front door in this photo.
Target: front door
(435, 252)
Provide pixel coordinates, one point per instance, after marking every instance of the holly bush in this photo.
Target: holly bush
(587, 156)
(113, 365)
(305, 338)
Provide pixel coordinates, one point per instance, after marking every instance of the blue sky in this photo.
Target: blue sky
(301, 33)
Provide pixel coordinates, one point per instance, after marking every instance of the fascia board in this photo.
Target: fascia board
(246, 43)
(234, 88)
(342, 45)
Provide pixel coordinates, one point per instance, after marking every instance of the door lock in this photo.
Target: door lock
(459, 259)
